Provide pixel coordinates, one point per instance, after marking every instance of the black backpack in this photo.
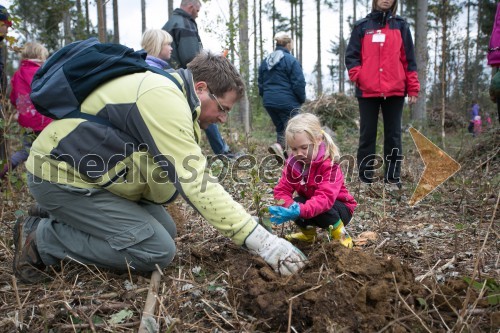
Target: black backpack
(72, 73)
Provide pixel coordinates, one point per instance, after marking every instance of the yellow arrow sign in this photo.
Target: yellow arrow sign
(439, 166)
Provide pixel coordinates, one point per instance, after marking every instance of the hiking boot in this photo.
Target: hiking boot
(338, 232)
(278, 152)
(307, 235)
(36, 210)
(27, 266)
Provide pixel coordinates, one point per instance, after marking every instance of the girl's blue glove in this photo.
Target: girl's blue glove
(282, 214)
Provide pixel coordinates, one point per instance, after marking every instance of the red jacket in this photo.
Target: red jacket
(380, 57)
(321, 186)
(20, 97)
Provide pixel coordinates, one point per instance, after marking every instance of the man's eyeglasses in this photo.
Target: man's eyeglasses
(221, 108)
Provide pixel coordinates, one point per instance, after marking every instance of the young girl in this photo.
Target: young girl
(158, 44)
(312, 172)
(33, 55)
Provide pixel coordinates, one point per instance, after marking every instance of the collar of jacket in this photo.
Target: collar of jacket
(162, 63)
(182, 12)
(282, 48)
(380, 16)
(191, 97)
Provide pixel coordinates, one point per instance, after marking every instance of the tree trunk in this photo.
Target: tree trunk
(341, 48)
(261, 37)
(436, 67)
(87, 19)
(466, 78)
(244, 61)
(170, 8)
(318, 64)
(105, 21)
(444, 31)
(353, 11)
(418, 111)
(232, 34)
(255, 58)
(292, 20)
(143, 16)
(274, 21)
(477, 59)
(116, 28)
(68, 38)
(101, 28)
(301, 30)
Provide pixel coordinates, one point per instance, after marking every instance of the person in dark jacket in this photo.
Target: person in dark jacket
(184, 30)
(381, 62)
(282, 87)
(186, 45)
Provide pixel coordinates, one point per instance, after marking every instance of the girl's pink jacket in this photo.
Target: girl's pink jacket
(20, 97)
(321, 186)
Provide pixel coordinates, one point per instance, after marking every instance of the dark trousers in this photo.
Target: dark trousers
(498, 108)
(392, 110)
(339, 211)
(280, 119)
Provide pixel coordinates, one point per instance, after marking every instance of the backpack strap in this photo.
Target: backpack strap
(103, 121)
(166, 74)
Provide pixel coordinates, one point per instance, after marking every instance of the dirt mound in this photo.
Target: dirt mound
(338, 289)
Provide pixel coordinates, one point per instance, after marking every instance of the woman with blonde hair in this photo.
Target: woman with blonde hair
(158, 44)
(312, 171)
(33, 55)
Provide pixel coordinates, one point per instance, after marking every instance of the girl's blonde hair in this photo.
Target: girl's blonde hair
(310, 125)
(154, 39)
(34, 50)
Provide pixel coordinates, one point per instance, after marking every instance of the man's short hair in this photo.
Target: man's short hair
(218, 72)
(185, 3)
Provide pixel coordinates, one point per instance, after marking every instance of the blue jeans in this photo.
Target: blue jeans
(280, 119)
(217, 143)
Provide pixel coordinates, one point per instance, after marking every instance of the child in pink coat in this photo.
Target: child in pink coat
(313, 174)
(33, 56)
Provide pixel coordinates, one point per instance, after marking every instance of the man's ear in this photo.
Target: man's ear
(200, 86)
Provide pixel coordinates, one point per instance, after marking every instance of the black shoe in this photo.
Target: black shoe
(278, 152)
(27, 266)
(36, 210)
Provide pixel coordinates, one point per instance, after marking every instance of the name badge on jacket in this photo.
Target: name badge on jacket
(378, 37)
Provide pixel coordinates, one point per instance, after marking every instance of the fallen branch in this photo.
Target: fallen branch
(420, 278)
(150, 305)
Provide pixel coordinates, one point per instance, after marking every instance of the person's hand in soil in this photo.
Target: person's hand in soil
(282, 214)
(280, 254)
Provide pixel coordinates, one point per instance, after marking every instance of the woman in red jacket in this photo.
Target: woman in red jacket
(380, 59)
(33, 56)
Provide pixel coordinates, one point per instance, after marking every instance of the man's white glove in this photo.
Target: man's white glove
(277, 252)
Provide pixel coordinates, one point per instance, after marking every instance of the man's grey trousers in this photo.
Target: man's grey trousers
(94, 226)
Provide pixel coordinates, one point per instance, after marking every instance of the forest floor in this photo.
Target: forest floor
(433, 267)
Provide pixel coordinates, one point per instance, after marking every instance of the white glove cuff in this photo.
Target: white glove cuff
(259, 240)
